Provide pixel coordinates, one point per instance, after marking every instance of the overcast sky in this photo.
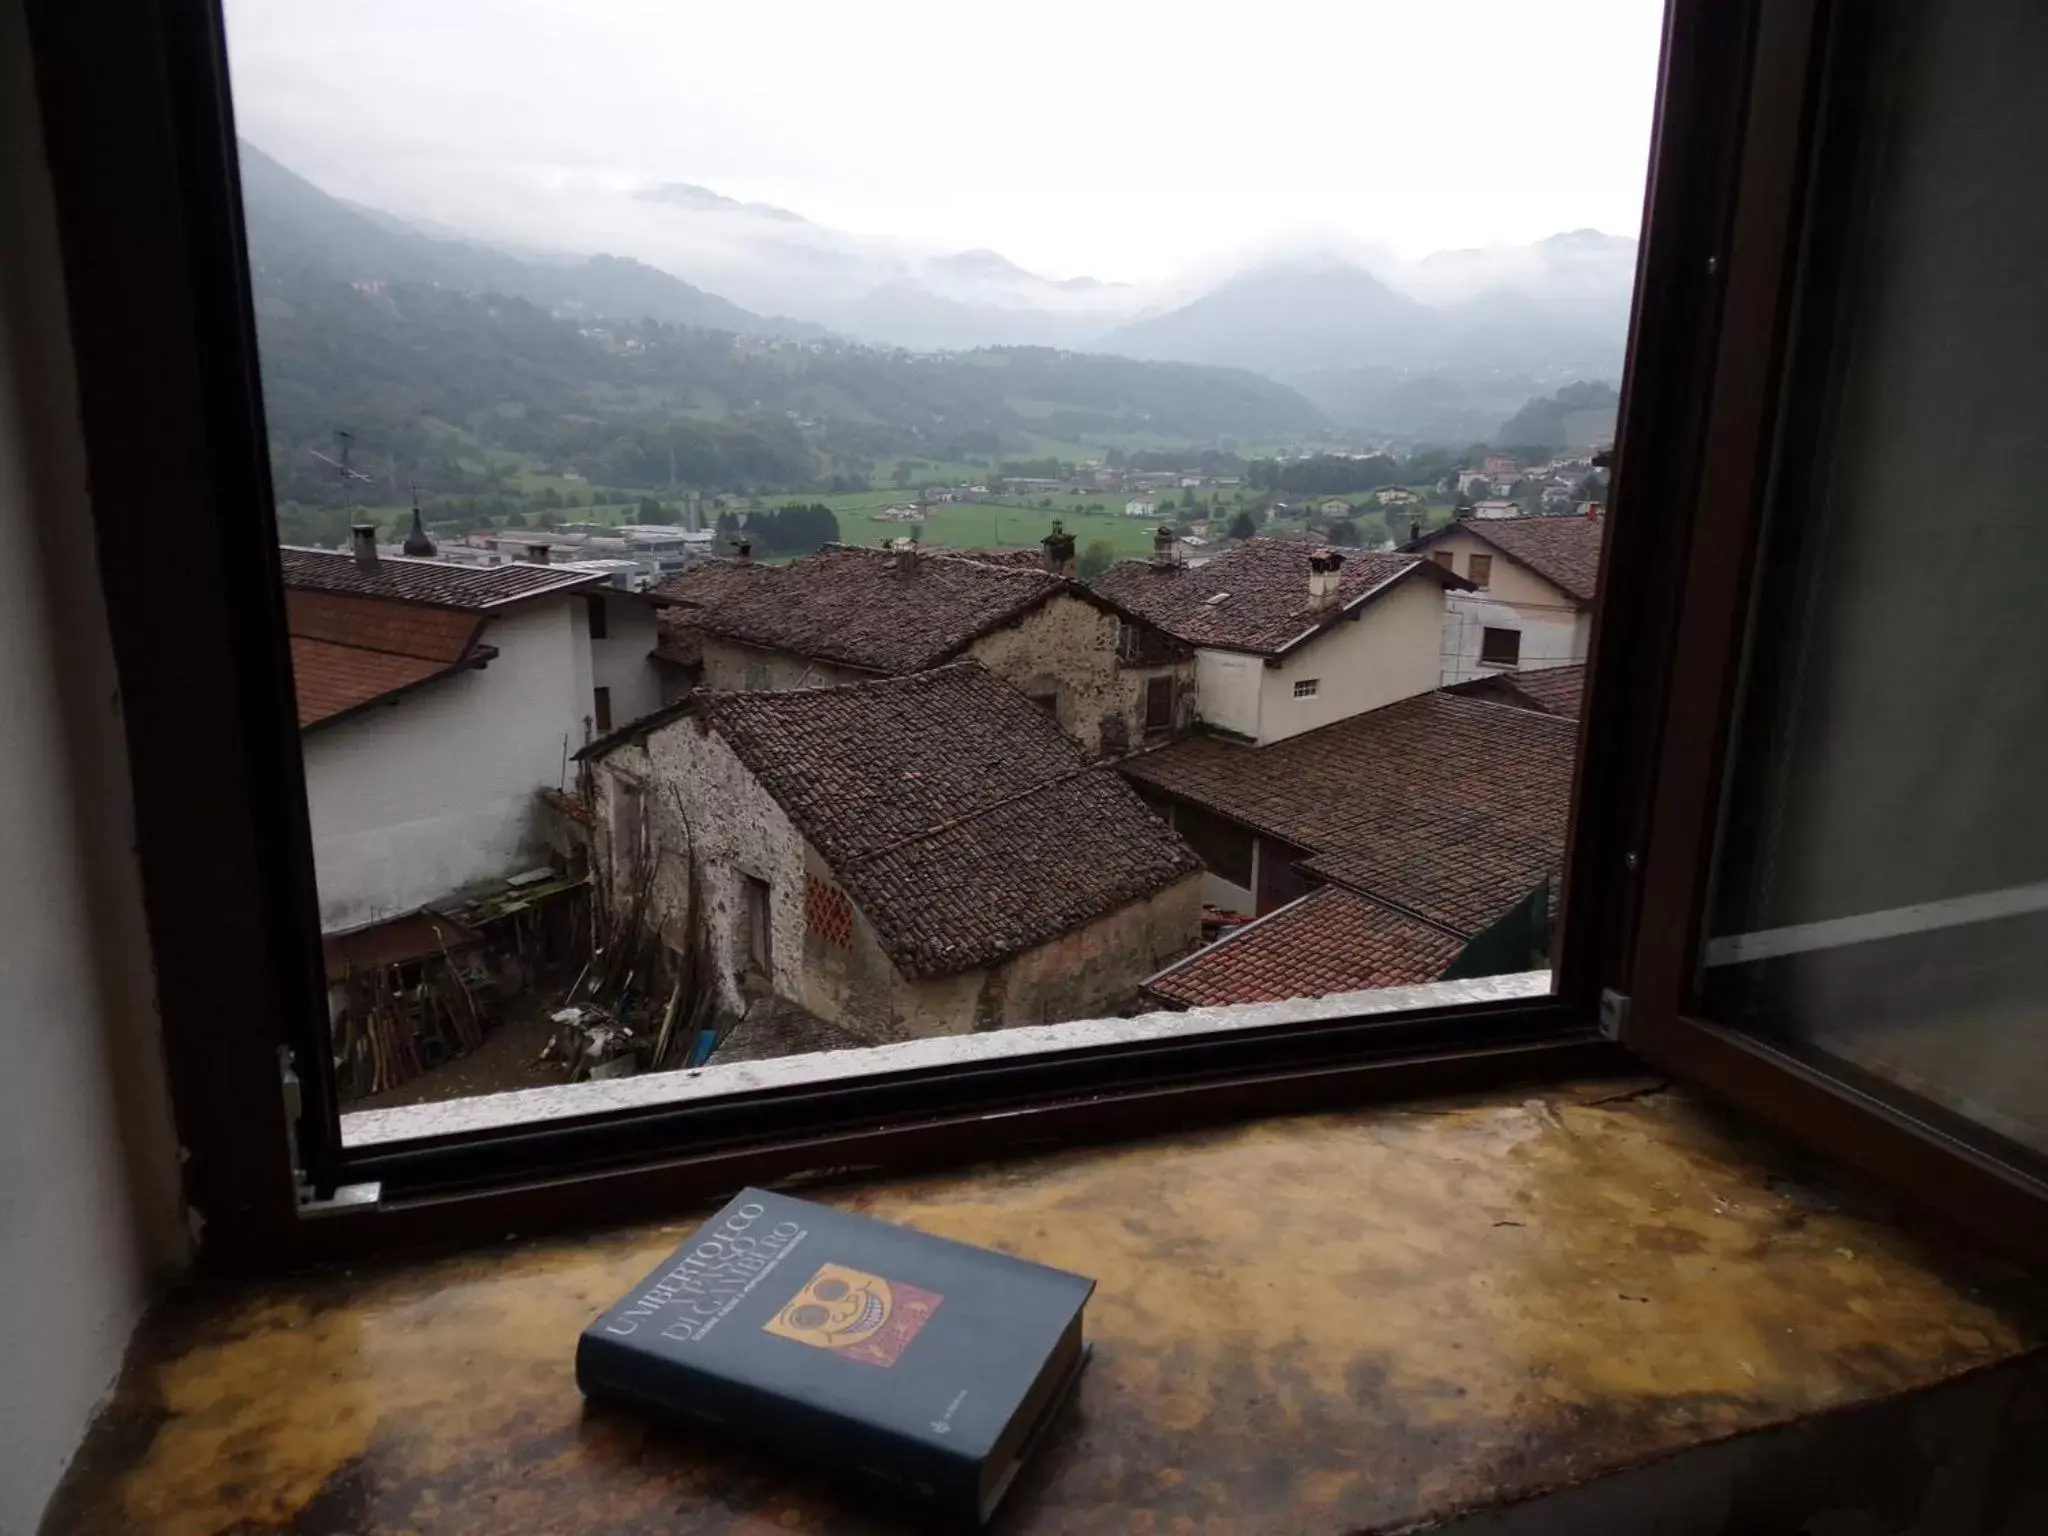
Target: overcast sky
(1127, 139)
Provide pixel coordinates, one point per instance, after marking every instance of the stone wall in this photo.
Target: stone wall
(750, 669)
(1068, 646)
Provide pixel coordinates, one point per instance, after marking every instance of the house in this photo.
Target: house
(435, 701)
(848, 614)
(1335, 506)
(1397, 496)
(911, 856)
(1288, 637)
(1498, 467)
(1534, 581)
(1141, 508)
(1411, 831)
(1470, 480)
(1495, 508)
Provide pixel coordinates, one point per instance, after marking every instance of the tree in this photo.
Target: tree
(649, 510)
(1242, 526)
(1097, 556)
(1342, 531)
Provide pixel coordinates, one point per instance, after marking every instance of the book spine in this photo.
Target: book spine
(799, 1432)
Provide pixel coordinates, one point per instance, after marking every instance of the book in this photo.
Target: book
(908, 1361)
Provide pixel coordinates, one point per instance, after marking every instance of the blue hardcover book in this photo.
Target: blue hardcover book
(919, 1364)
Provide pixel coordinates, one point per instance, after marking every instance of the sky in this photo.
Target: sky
(1130, 140)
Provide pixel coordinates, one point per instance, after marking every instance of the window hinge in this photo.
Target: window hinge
(1613, 1013)
(346, 1197)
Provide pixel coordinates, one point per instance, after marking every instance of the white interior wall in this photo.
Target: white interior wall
(89, 1218)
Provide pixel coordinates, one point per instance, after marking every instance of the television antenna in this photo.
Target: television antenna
(344, 472)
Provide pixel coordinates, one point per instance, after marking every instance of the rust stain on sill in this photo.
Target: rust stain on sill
(1335, 1323)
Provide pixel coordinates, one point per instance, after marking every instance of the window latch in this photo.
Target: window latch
(1614, 1008)
(346, 1197)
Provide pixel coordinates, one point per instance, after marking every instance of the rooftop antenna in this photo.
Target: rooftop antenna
(343, 441)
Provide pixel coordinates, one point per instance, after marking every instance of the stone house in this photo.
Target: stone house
(1113, 682)
(905, 857)
(1533, 581)
(1287, 637)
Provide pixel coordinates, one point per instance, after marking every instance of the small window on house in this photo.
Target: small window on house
(1047, 699)
(1306, 688)
(1500, 647)
(754, 895)
(601, 707)
(594, 607)
(1480, 570)
(1444, 558)
(1159, 704)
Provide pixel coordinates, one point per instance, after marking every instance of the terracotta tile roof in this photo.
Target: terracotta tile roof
(1331, 940)
(1450, 809)
(349, 651)
(476, 588)
(1553, 690)
(960, 819)
(1563, 550)
(1030, 558)
(886, 612)
(1254, 596)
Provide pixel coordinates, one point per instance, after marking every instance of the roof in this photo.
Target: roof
(884, 611)
(1449, 809)
(350, 651)
(1029, 558)
(1254, 596)
(1553, 690)
(960, 819)
(1564, 551)
(409, 936)
(474, 588)
(1331, 940)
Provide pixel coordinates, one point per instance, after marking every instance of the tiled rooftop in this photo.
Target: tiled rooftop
(1553, 690)
(887, 612)
(1331, 940)
(348, 651)
(1563, 550)
(959, 818)
(1254, 596)
(1450, 809)
(476, 588)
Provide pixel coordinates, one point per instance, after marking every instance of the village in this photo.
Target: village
(588, 802)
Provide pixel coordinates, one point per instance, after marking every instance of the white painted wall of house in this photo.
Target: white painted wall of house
(1392, 651)
(1555, 631)
(1227, 691)
(413, 799)
(619, 661)
(89, 1177)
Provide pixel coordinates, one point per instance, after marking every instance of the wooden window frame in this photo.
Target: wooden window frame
(140, 138)
(1479, 567)
(601, 708)
(1486, 634)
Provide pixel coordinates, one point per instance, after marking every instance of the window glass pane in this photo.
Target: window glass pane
(756, 592)
(1882, 886)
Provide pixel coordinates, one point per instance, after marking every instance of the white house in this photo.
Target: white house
(1533, 581)
(435, 700)
(1138, 508)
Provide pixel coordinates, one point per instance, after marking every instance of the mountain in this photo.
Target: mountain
(293, 224)
(1580, 415)
(681, 194)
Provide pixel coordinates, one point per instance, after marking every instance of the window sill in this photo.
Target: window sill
(363, 1130)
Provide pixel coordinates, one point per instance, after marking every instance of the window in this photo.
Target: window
(1444, 558)
(758, 924)
(1480, 568)
(1159, 703)
(601, 703)
(1499, 647)
(596, 609)
(1305, 687)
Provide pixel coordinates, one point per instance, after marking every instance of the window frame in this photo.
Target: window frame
(141, 143)
(1486, 634)
(1479, 569)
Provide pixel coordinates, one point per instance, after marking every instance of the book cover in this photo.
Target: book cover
(906, 1360)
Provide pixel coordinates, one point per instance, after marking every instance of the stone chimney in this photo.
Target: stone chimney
(1414, 530)
(538, 553)
(1059, 550)
(362, 542)
(1325, 567)
(1162, 545)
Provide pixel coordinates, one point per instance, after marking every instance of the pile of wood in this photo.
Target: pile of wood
(389, 1033)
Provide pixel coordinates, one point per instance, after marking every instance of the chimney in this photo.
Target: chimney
(1592, 511)
(1414, 529)
(1324, 566)
(537, 553)
(362, 542)
(743, 549)
(1059, 550)
(1162, 545)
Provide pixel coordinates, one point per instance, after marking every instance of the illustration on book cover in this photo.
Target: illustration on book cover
(856, 1315)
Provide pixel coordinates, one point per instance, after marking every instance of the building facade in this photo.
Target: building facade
(1533, 584)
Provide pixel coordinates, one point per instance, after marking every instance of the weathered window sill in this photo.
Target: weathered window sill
(530, 1106)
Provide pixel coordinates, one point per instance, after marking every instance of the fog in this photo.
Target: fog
(1149, 144)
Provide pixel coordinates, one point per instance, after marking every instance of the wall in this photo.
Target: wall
(1393, 650)
(619, 661)
(1227, 691)
(89, 1216)
(1070, 642)
(735, 829)
(749, 669)
(413, 799)
(1555, 631)
(1093, 969)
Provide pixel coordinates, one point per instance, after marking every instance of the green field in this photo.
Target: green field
(997, 525)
